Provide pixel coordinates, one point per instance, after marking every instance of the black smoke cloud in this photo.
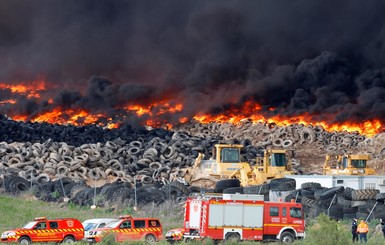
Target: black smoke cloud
(323, 58)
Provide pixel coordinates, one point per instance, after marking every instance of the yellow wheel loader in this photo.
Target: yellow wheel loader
(226, 164)
(347, 165)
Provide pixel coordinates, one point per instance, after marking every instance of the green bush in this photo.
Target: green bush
(327, 231)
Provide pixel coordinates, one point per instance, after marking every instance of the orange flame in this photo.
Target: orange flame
(30, 89)
(152, 112)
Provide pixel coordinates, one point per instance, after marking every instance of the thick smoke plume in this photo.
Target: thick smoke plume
(322, 58)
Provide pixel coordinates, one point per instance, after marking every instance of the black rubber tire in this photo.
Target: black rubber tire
(348, 193)
(287, 237)
(69, 239)
(309, 202)
(233, 190)
(310, 185)
(307, 193)
(232, 237)
(150, 239)
(344, 202)
(364, 194)
(331, 192)
(257, 189)
(183, 188)
(282, 184)
(226, 183)
(380, 197)
(24, 240)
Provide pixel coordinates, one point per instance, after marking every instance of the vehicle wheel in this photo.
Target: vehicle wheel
(150, 239)
(287, 237)
(68, 239)
(234, 237)
(24, 240)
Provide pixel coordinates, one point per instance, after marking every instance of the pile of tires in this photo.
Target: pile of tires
(341, 203)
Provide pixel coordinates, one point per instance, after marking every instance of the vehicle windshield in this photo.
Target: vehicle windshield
(230, 155)
(30, 225)
(113, 224)
(278, 160)
(296, 213)
(89, 226)
(360, 163)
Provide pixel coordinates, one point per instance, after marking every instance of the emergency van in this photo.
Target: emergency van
(239, 217)
(40, 230)
(128, 228)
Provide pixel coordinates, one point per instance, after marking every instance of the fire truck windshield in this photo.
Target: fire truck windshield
(30, 225)
(296, 212)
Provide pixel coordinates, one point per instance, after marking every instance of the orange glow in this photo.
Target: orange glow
(8, 102)
(30, 89)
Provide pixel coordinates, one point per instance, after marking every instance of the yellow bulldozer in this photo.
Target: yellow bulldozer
(347, 165)
(226, 164)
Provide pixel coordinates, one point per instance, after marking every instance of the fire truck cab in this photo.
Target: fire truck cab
(242, 217)
(40, 230)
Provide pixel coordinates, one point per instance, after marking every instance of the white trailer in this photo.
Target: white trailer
(355, 182)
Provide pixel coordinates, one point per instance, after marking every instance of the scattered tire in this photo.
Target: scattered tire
(282, 184)
(226, 183)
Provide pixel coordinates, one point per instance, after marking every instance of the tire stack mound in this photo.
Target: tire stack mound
(339, 202)
(41, 155)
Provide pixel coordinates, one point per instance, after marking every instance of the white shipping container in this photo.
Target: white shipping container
(355, 182)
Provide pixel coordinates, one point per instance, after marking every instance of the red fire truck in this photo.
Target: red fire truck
(242, 217)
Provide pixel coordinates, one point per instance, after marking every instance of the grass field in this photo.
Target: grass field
(17, 211)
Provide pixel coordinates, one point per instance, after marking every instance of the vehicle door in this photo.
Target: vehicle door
(155, 227)
(124, 232)
(272, 223)
(40, 232)
(53, 230)
(139, 228)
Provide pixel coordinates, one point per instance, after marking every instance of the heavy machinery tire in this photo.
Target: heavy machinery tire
(226, 183)
(233, 190)
(282, 184)
(307, 193)
(310, 185)
(380, 197)
(348, 193)
(257, 189)
(364, 194)
(309, 202)
(331, 192)
(344, 202)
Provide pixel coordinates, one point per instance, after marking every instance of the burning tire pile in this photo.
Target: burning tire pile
(91, 165)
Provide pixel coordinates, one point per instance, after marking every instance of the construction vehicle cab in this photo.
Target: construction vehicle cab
(225, 160)
(347, 165)
(226, 163)
(272, 164)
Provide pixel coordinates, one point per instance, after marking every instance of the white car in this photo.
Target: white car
(91, 224)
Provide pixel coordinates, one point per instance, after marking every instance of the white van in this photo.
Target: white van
(91, 224)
